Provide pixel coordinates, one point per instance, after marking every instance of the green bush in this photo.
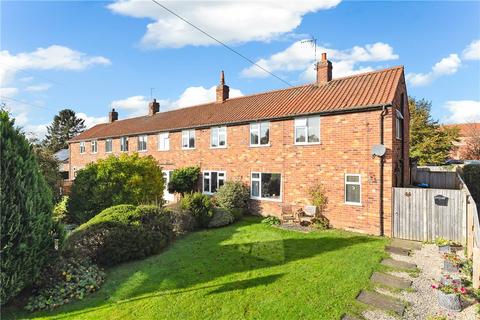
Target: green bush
(26, 212)
(64, 280)
(116, 180)
(233, 195)
(321, 223)
(121, 233)
(471, 176)
(221, 217)
(318, 197)
(184, 180)
(271, 220)
(60, 210)
(182, 221)
(200, 206)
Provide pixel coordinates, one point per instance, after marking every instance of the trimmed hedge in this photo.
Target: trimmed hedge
(471, 176)
(184, 180)
(221, 217)
(122, 233)
(200, 206)
(233, 195)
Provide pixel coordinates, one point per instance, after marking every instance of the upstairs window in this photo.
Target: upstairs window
(212, 180)
(353, 189)
(94, 146)
(260, 134)
(142, 143)
(163, 141)
(307, 130)
(266, 186)
(188, 139)
(124, 144)
(108, 145)
(82, 147)
(218, 137)
(399, 125)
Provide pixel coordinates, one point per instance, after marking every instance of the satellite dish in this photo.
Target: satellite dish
(378, 150)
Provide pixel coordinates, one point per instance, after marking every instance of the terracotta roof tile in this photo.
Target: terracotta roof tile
(347, 93)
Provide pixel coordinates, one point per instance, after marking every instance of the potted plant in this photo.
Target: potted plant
(451, 262)
(449, 295)
(445, 246)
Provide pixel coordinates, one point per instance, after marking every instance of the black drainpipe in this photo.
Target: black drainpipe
(382, 115)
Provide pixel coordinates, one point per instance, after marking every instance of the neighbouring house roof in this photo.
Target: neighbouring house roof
(62, 155)
(465, 129)
(371, 89)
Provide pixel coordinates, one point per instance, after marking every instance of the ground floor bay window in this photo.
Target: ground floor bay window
(266, 186)
(212, 180)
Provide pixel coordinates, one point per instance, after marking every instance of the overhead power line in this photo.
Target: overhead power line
(25, 102)
(222, 43)
(30, 73)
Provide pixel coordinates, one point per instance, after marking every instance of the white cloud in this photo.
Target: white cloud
(299, 57)
(55, 57)
(8, 92)
(462, 111)
(228, 21)
(38, 87)
(446, 66)
(91, 121)
(472, 51)
(135, 105)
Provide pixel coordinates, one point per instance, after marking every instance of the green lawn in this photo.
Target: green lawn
(244, 271)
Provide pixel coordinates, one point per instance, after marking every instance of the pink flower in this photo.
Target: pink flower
(463, 290)
(434, 286)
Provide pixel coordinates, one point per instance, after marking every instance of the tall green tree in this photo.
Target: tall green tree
(429, 142)
(26, 212)
(65, 126)
(49, 166)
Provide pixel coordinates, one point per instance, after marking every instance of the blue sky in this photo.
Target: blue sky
(92, 55)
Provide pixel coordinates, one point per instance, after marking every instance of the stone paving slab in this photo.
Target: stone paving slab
(398, 264)
(381, 301)
(390, 281)
(406, 244)
(397, 250)
(347, 317)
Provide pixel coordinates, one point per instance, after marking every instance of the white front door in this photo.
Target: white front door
(167, 196)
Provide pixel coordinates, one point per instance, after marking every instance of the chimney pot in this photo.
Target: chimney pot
(324, 70)
(153, 107)
(112, 116)
(222, 89)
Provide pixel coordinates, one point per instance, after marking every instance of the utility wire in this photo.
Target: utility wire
(25, 102)
(30, 73)
(222, 43)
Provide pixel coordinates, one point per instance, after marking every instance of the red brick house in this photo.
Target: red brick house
(466, 131)
(282, 142)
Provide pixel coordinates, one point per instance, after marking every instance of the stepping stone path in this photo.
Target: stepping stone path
(397, 250)
(398, 264)
(381, 301)
(406, 244)
(347, 317)
(390, 281)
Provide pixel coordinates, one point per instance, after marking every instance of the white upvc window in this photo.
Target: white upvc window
(108, 145)
(124, 144)
(218, 137)
(212, 180)
(399, 125)
(82, 146)
(142, 143)
(94, 145)
(188, 139)
(260, 134)
(353, 189)
(163, 141)
(307, 130)
(266, 186)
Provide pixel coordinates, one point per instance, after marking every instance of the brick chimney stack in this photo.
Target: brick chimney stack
(324, 70)
(222, 89)
(112, 115)
(153, 107)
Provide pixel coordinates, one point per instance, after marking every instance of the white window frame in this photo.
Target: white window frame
(359, 183)
(257, 127)
(93, 143)
(209, 172)
(217, 135)
(398, 125)
(259, 179)
(188, 134)
(306, 130)
(82, 147)
(163, 141)
(123, 143)
(111, 145)
(138, 142)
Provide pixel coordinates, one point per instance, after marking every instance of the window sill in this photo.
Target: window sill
(188, 149)
(225, 147)
(265, 199)
(307, 143)
(108, 151)
(260, 145)
(164, 150)
(353, 204)
(141, 150)
(93, 152)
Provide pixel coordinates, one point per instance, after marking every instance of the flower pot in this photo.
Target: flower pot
(449, 301)
(448, 266)
(444, 249)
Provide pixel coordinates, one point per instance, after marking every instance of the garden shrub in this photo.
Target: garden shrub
(318, 197)
(200, 206)
(64, 280)
(181, 220)
(221, 217)
(237, 213)
(271, 220)
(321, 223)
(60, 210)
(116, 180)
(121, 233)
(27, 227)
(233, 195)
(471, 176)
(184, 180)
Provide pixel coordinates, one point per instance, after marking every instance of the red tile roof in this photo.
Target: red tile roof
(342, 94)
(465, 129)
